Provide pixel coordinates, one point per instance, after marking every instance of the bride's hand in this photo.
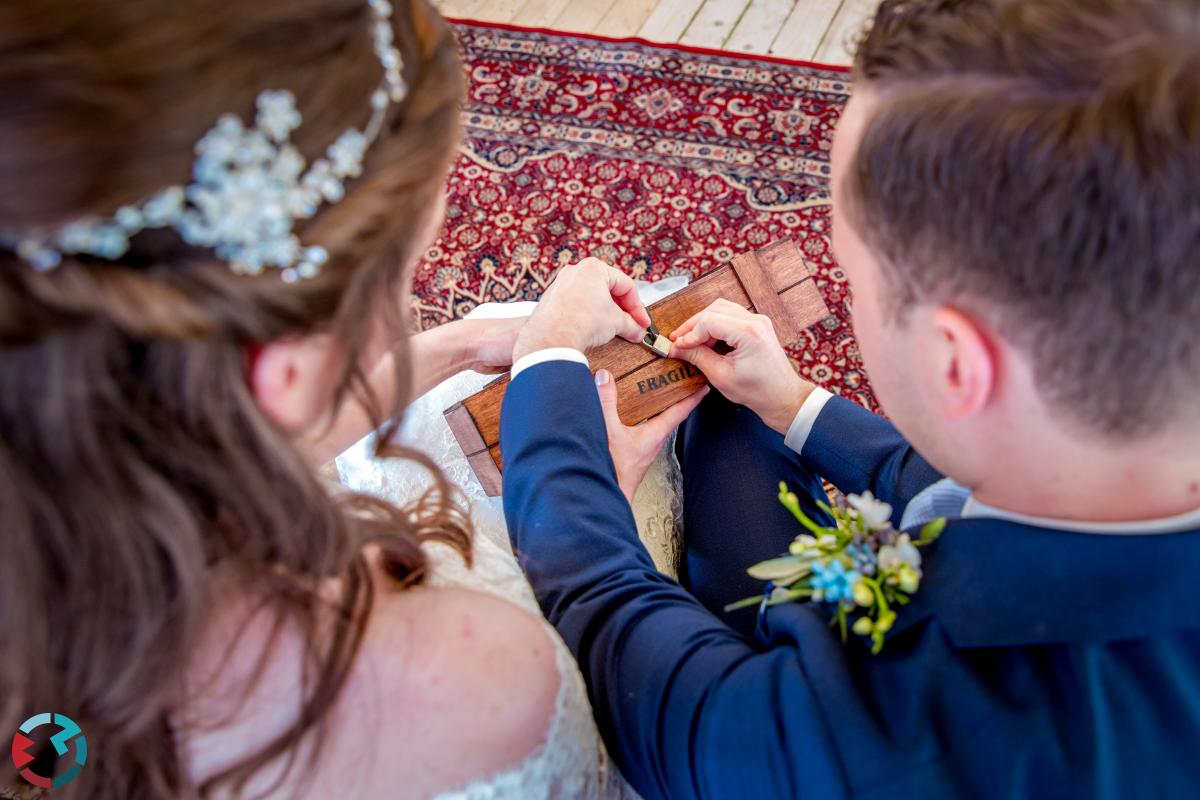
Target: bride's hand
(489, 343)
(633, 448)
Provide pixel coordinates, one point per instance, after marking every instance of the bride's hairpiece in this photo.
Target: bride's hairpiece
(249, 186)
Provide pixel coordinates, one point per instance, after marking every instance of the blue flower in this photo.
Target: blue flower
(863, 558)
(832, 583)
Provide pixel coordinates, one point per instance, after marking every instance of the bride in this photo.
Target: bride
(209, 214)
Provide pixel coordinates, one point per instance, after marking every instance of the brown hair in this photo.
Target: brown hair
(135, 463)
(1038, 159)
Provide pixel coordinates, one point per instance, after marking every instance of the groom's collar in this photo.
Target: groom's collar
(993, 583)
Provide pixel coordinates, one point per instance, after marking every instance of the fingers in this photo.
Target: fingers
(686, 326)
(703, 358)
(624, 293)
(710, 324)
(629, 329)
(606, 388)
(720, 305)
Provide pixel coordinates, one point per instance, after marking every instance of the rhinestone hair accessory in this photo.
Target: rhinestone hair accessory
(249, 187)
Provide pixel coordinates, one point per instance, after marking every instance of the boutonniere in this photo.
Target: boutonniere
(862, 566)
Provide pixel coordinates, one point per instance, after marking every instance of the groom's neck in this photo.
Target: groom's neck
(1047, 471)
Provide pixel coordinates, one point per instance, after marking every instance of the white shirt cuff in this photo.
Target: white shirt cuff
(806, 417)
(548, 354)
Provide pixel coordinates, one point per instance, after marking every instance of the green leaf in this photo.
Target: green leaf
(794, 594)
(931, 530)
(746, 603)
(792, 504)
(781, 570)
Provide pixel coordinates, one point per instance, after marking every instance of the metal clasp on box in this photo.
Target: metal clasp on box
(656, 342)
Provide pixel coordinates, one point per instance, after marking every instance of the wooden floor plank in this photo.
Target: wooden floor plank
(668, 20)
(713, 23)
(759, 26)
(804, 29)
(817, 30)
(625, 18)
(539, 13)
(837, 47)
(468, 9)
(502, 10)
(582, 17)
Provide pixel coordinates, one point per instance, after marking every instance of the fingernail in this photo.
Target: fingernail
(602, 377)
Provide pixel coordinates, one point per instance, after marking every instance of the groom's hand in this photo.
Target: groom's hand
(634, 448)
(756, 373)
(587, 304)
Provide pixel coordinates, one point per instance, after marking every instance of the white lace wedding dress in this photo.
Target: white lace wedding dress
(572, 763)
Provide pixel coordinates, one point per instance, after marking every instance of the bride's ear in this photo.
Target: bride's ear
(290, 380)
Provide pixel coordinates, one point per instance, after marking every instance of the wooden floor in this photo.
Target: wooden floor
(811, 30)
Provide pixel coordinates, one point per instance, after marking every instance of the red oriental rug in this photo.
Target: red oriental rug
(660, 160)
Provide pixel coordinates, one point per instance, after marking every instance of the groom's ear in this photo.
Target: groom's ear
(289, 379)
(963, 364)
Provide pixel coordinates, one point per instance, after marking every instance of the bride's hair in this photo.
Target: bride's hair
(135, 463)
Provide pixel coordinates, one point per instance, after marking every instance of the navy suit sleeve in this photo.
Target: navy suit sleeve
(858, 451)
(687, 707)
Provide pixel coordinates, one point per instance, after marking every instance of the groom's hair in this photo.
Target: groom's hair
(1038, 162)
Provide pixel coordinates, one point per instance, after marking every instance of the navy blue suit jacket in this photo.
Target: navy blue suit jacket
(1032, 663)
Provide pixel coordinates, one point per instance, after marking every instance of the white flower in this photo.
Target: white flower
(346, 154)
(219, 145)
(875, 513)
(130, 218)
(316, 255)
(277, 115)
(302, 201)
(321, 179)
(254, 150)
(164, 208)
(288, 165)
(803, 543)
(41, 257)
(109, 241)
(103, 239)
(901, 551)
(76, 236)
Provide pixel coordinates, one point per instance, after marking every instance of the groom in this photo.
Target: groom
(1016, 207)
